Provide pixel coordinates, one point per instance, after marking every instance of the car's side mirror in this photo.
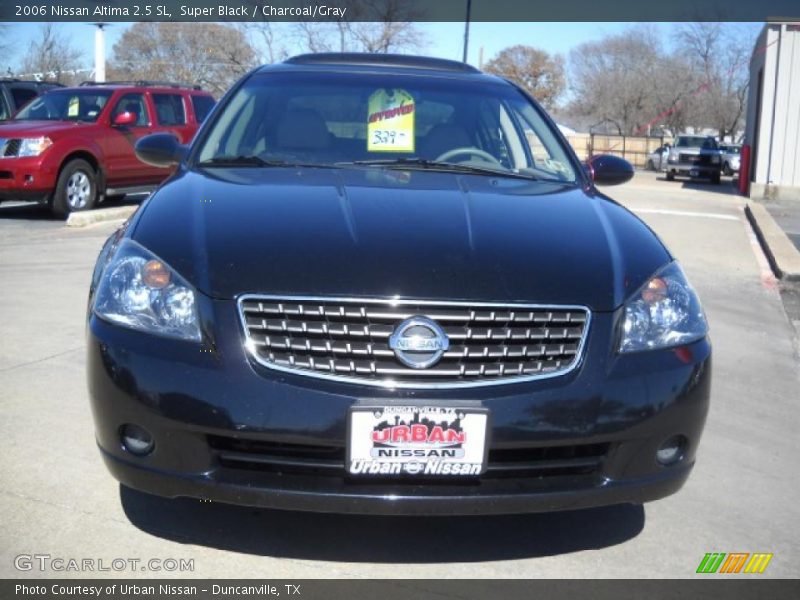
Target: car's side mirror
(607, 169)
(160, 150)
(125, 119)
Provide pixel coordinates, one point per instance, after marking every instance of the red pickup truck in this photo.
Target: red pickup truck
(73, 147)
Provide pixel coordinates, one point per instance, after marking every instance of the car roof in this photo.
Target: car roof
(399, 64)
(141, 85)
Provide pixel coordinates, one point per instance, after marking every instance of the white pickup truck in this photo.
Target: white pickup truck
(694, 156)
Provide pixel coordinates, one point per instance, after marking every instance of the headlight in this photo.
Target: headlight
(33, 146)
(715, 159)
(140, 291)
(664, 312)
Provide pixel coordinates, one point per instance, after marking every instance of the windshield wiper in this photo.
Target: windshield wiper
(254, 161)
(425, 163)
(238, 161)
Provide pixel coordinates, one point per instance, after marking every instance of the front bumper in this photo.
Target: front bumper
(29, 178)
(693, 170)
(188, 395)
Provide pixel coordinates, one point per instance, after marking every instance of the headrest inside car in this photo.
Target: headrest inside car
(302, 129)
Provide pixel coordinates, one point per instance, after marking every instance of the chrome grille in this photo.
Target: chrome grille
(348, 339)
(695, 159)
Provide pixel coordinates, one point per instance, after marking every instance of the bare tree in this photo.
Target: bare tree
(380, 26)
(614, 79)
(719, 54)
(212, 55)
(272, 38)
(52, 57)
(675, 84)
(539, 73)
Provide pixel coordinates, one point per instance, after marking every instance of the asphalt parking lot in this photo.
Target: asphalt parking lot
(58, 499)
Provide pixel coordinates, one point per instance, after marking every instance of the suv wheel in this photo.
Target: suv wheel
(670, 176)
(76, 189)
(726, 168)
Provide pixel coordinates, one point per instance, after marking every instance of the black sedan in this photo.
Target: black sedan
(385, 284)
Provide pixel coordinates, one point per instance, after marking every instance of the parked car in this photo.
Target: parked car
(694, 156)
(15, 93)
(71, 147)
(657, 159)
(365, 289)
(731, 155)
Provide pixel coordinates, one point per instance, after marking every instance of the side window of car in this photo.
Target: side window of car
(202, 106)
(22, 95)
(169, 109)
(133, 103)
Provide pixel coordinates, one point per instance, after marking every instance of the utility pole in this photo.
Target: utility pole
(100, 52)
(466, 30)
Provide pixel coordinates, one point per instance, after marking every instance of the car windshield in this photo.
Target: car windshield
(696, 142)
(369, 120)
(66, 105)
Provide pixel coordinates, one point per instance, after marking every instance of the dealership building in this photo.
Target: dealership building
(773, 113)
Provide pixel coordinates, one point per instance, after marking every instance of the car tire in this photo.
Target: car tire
(715, 179)
(650, 166)
(76, 189)
(726, 168)
(670, 176)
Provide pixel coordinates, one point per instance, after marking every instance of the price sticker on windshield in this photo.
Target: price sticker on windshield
(390, 127)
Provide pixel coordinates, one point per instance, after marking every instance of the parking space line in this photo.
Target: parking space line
(687, 213)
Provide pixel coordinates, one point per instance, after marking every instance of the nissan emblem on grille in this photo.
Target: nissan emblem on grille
(419, 342)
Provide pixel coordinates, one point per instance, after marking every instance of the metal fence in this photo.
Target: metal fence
(634, 149)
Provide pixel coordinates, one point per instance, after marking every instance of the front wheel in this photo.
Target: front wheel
(76, 189)
(726, 168)
(670, 176)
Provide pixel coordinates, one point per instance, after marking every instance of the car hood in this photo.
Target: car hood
(385, 233)
(12, 128)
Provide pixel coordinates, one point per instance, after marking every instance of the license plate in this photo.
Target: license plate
(694, 173)
(417, 440)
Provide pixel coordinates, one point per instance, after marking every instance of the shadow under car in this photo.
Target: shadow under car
(379, 539)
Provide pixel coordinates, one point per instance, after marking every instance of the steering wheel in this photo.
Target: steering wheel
(472, 151)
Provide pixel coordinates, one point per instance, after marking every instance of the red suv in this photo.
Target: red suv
(72, 147)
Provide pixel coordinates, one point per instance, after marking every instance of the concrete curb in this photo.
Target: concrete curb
(783, 257)
(88, 217)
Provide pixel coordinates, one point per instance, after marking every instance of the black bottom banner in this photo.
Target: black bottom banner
(401, 589)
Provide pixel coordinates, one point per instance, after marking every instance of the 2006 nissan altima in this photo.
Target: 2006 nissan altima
(387, 285)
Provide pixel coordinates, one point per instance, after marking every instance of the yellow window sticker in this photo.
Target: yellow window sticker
(72, 107)
(390, 127)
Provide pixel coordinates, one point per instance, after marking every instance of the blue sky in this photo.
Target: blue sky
(446, 39)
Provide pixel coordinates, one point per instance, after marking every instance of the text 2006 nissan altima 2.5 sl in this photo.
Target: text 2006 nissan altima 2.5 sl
(387, 285)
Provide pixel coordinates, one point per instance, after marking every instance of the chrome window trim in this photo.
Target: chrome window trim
(389, 384)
